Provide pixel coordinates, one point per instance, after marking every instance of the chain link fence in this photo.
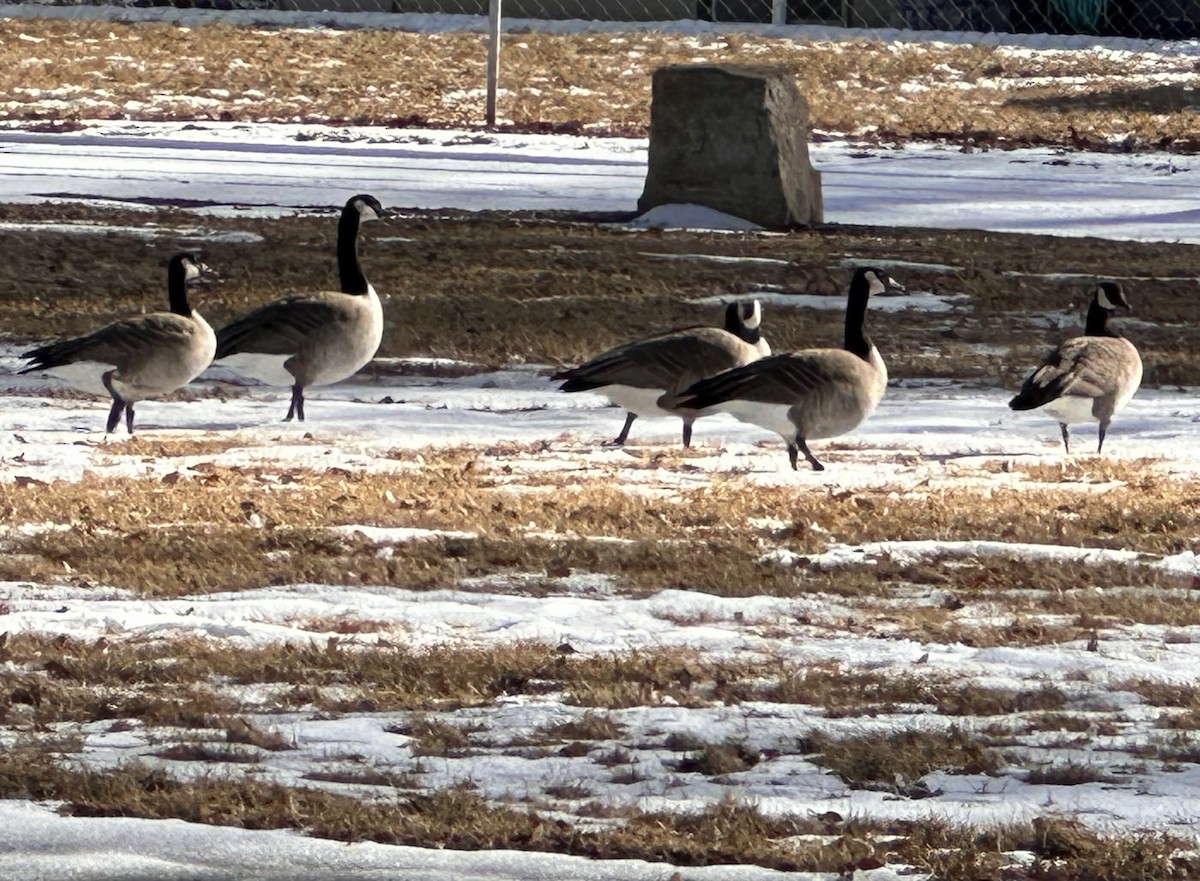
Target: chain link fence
(1155, 19)
(447, 63)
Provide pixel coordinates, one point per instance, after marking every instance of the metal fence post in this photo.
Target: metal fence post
(779, 11)
(493, 62)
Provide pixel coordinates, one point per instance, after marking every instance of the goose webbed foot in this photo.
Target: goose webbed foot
(687, 433)
(794, 451)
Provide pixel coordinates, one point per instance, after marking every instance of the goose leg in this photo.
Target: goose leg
(794, 449)
(297, 408)
(687, 432)
(1103, 431)
(1066, 437)
(114, 415)
(129, 418)
(620, 439)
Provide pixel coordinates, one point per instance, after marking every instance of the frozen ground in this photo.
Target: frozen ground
(925, 435)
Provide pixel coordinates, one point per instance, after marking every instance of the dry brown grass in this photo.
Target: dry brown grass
(899, 760)
(483, 288)
(718, 760)
(176, 683)
(589, 726)
(583, 82)
(454, 818)
(1064, 849)
(1069, 774)
(433, 737)
(117, 535)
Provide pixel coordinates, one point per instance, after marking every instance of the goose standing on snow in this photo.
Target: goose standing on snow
(318, 338)
(145, 356)
(645, 376)
(812, 393)
(1088, 378)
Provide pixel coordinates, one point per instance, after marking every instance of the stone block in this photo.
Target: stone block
(734, 139)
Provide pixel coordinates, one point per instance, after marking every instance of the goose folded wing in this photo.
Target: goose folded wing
(117, 343)
(1075, 368)
(667, 362)
(779, 378)
(279, 328)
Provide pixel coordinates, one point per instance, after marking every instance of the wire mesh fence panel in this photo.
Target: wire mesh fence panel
(1157, 19)
(431, 71)
(1151, 19)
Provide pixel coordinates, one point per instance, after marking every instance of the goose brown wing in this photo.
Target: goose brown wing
(785, 378)
(664, 362)
(119, 344)
(1076, 367)
(278, 328)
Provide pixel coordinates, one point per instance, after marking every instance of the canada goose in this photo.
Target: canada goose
(1087, 378)
(147, 355)
(810, 394)
(318, 338)
(644, 376)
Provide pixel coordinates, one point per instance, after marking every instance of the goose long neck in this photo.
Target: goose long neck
(350, 273)
(1097, 321)
(856, 313)
(177, 289)
(736, 326)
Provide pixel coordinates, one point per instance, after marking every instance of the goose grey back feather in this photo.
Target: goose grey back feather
(128, 344)
(280, 327)
(669, 362)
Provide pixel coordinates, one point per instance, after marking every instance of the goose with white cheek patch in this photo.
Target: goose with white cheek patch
(645, 376)
(312, 339)
(1088, 378)
(809, 394)
(145, 356)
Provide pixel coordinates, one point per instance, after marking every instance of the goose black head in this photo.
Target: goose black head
(744, 320)
(1110, 296)
(368, 208)
(875, 282)
(750, 314)
(194, 269)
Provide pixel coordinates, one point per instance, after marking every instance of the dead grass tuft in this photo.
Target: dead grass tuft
(718, 760)
(1069, 774)
(207, 752)
(589, 726)
(364, 777)
(898, 761)
(242, 731)
(433, 737)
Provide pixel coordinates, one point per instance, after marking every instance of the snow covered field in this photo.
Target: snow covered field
(927, 437)
(245, 167)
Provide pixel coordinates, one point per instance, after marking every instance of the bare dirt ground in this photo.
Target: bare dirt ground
(484, 288)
